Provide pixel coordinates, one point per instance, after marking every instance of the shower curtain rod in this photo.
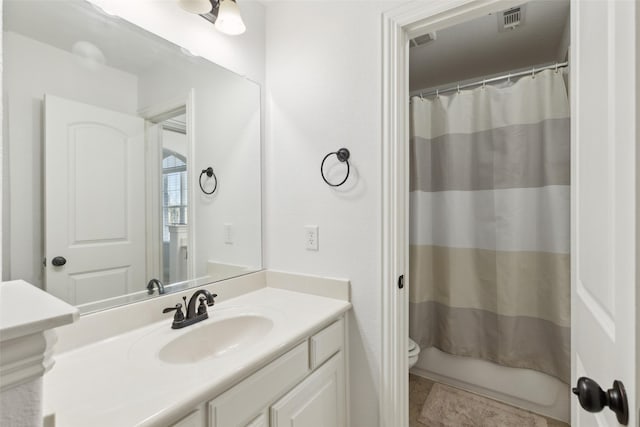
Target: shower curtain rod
(492, 80)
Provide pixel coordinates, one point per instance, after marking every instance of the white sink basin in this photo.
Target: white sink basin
(214, 339)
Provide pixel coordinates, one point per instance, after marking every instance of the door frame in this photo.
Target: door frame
(399, 25)
(158, 112)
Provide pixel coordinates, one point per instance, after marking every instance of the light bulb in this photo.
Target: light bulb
(196, 6)
(229, 20)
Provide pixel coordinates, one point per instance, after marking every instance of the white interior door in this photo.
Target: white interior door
(604, 201)
(94, 201)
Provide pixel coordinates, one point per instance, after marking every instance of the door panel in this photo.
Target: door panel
(97, 285)
(603, 201)
(94, 201)
(98, 207)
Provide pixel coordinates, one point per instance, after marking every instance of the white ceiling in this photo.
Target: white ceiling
(476, 48)
(63, 23)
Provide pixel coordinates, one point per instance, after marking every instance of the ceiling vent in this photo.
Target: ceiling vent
(511, 19)
(422, 40)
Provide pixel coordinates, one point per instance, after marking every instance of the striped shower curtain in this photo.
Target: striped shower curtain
(489, 229)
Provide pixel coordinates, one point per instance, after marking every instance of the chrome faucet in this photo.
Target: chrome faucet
(157, 283)
(205, 297)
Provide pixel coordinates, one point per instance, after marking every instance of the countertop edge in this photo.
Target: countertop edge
(26, 310)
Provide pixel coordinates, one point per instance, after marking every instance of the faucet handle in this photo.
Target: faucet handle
(202, 307)
(179, 316)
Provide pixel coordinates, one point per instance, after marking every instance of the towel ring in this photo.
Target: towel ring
(343, 156)
(209, 172)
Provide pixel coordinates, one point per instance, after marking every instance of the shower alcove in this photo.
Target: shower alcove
(489, 206)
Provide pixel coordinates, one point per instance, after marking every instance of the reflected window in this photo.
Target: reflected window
(174, 191)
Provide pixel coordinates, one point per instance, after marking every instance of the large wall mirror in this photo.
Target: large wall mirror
(131, 168)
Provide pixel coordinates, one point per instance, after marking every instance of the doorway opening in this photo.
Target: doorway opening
(489, 217)
(604, 98)
(168, 165)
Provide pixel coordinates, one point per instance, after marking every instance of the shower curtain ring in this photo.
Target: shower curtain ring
(509, 77)
(437, 93)
(458, 88)
(533, 72)
(483, 83)
(556, 67)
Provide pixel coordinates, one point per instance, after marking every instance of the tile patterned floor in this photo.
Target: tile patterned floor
(419, 389)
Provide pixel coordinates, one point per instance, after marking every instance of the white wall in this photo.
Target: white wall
(31, 69)
(323, 93)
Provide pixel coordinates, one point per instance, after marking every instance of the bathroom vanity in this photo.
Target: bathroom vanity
(270, 356)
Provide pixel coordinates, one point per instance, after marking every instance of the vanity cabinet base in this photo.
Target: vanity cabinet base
(305, 387)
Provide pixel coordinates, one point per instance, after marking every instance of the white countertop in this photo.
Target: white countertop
(26, 309)
(120, 381)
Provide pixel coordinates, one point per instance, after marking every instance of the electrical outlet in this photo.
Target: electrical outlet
(311, 237)
(228, 233)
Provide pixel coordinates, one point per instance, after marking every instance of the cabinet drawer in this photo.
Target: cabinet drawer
(326, 343)
(244, 402)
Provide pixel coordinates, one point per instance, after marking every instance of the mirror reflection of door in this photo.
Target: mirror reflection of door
(94, 203)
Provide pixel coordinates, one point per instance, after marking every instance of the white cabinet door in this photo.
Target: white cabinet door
(261, 420)
(318, 401)
(94, 201)
(194, 419)
(604, 210)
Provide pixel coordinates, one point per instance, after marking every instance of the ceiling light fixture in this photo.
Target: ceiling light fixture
(196, 6)
(224, 14)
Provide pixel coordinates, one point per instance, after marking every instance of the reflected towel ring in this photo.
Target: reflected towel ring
(342, 155)
(209, 172)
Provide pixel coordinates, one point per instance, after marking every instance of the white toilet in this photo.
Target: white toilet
(414, 352)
